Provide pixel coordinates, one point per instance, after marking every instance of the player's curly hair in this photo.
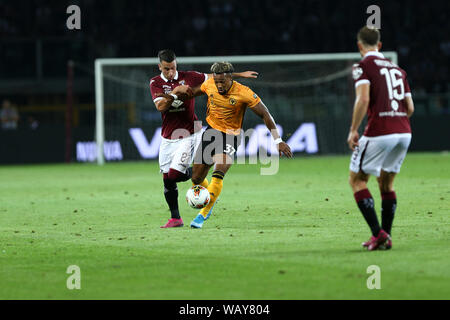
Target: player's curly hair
(222, 67)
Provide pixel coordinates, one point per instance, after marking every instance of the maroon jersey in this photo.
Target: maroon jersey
(387, 112)
(184, 116)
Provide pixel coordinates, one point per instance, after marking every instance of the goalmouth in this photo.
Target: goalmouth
(274, 60)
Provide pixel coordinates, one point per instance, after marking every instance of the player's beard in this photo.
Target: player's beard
(223, 91)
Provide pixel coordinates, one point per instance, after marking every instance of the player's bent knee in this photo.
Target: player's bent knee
(353, 179)
(385, 187)
(350, 181)
(358, 181)
(357, 184)
(222, 160)
(386, 182)
(223, 168)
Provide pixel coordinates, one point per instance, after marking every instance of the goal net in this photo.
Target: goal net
(309, 95)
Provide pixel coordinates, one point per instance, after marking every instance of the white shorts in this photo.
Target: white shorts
(380, 153)
(178, 153)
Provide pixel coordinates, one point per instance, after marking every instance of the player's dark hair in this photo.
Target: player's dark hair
(222, 67)
(166, 55)
(369, 36)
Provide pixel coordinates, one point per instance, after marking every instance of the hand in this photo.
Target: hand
(249, 74)
(283, 147)
(183, 92)
(352, 140)
(183, 89)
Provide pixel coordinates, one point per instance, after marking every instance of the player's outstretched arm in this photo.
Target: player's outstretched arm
(261, 110)
(193, 91)
(359, 111)
(237, 75)
(245, 74)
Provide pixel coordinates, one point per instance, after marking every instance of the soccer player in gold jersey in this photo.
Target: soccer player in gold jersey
(227, 102)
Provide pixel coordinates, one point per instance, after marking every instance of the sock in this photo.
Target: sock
(171, 195)
(178, 176)
(214, 188)
(388, 206)
(366, 206)
(204, 183)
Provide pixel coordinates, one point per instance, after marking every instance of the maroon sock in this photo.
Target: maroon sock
(178, 176)
(388, 206)
(366, 206)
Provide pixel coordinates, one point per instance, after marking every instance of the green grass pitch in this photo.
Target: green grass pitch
(294, 235)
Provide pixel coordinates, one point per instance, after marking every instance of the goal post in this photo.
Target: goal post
(293, 71)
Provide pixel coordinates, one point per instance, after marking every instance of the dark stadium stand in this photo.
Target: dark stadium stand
(35, 47)
(206, 27)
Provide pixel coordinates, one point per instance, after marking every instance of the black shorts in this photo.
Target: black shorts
(216, 142)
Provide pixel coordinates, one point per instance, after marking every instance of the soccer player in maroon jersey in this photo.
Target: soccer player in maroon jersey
(382, 91)
(179, 137)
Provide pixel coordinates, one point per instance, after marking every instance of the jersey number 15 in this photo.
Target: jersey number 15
(394, 83)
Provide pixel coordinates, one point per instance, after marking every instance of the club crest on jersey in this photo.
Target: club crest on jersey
(167, 89)
(182, 82)
(233, 101)
(357, 72)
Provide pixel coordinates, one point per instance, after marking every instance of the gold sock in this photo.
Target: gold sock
(204, 183)
(214, 188)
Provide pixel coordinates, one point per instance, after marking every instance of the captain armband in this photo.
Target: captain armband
(176, 103)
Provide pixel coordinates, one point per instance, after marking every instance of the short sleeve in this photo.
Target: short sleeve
(155, 90)
(251, 98)
(204, 87)
(196, 78)
(359, 75)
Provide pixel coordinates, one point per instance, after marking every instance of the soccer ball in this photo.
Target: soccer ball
(197, 197)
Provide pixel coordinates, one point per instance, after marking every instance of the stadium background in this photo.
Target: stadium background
(36, 46)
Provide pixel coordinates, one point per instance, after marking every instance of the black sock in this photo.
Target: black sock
(366, 206)
(171, 195)
(388, 206)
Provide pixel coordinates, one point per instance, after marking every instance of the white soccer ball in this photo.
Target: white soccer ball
(197, 197)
